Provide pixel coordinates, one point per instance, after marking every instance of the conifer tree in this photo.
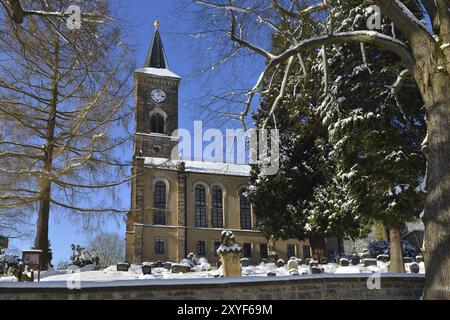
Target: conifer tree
(356, 139)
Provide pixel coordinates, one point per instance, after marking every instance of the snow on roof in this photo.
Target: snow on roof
(159, 72)
(200, 166)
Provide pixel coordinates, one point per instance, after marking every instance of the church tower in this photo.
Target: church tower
(156, 94)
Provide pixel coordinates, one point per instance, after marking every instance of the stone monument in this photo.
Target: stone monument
(272, 254)
(230, 255)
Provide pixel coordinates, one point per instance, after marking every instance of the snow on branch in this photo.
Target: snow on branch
(282, 91)
(223, 6)
(298, 14)
(400, 80)
(370, 37)
(404, 19)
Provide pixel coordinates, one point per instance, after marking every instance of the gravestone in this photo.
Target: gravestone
(314, 263)
(123, 267)
(370, 262)
(264, 260)
(343, 262)
(365, 254)
(299, 261)
(188, 262)
(419, 259)
(407, 260)
(280, 263)
(293, 267)
(383, 258)
(414, 268)
(293, 258)
(193, 259)
(181, 268)
(168, 265)
(245, 262)
(307, 261)
(292, 264)
(355, 260)
(146, 268)
(316, 270)
(323, 261)
(294, 272)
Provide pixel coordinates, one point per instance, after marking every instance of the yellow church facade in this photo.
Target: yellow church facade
(181, 206)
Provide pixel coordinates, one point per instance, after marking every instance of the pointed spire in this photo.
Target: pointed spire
(156, 57)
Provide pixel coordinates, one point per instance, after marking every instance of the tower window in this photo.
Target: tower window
(217, 208)
(159, 217)
(200, 206)
(157, 123)
(246, 214)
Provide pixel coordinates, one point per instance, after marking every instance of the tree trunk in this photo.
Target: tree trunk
(41, 242)
(437, 207)
(396, 261)
(45, 183)
(318, 247)
(434, 83)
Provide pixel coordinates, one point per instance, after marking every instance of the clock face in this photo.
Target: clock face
(158, 95)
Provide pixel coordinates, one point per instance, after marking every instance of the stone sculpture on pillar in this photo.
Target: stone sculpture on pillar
(230, 255)
(272, 254)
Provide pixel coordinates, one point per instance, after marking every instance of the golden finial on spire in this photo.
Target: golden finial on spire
(156, 23)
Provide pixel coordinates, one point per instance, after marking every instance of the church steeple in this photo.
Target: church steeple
(156, 57)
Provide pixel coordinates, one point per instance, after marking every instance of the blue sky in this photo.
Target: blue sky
(183, 60)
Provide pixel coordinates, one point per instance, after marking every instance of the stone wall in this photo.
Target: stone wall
(317, 287)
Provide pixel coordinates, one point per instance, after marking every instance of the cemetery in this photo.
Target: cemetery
(86, 274)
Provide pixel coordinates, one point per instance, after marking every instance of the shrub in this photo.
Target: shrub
(82, 257)
(10, 262)
(383, 247)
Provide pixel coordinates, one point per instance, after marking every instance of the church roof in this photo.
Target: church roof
(156, 57)
(156, 62)
(219, 168)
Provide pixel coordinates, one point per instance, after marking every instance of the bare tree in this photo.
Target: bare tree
(425, 54)
(110, 247)
(64, 112)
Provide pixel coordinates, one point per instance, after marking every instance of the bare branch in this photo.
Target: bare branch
(282, 92)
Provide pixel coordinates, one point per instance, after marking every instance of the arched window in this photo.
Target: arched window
(159, 217)
(157, 123)
(246, 212)
(200, 206)
(217, 208)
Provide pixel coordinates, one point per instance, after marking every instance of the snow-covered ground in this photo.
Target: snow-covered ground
(135, 273)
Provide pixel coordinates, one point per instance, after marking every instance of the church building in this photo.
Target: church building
(182, 206)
